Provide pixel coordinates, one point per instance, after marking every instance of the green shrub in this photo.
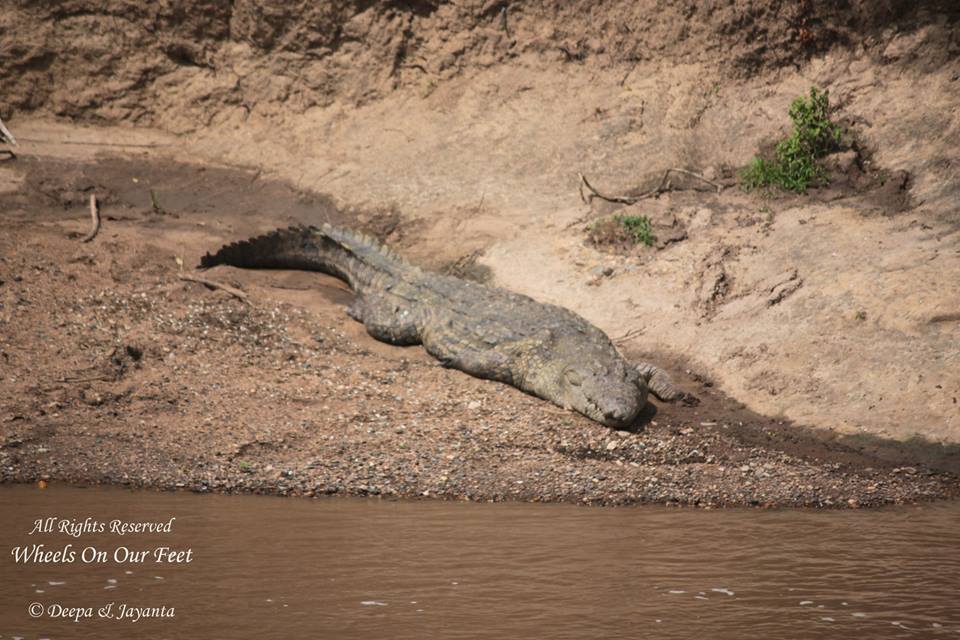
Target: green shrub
(795, 165)
(639, 227)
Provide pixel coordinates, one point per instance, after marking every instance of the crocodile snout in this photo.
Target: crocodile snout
(620, 414)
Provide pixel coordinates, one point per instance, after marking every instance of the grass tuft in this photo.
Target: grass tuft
(639, 228)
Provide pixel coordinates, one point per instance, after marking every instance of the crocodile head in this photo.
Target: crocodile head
(592, 379)
(612, 395)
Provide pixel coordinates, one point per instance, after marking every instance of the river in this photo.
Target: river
(262, 567)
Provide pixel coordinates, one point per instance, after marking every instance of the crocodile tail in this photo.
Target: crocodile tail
(344, 253)
(300, 247)
(274, 250)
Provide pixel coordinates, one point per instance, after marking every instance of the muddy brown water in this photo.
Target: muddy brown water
(265, 567)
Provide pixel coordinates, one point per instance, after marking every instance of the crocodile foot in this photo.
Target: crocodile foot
(659, 383)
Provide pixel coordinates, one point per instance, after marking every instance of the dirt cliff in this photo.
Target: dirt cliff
(124, 61)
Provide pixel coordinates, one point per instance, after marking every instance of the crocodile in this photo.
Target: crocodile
(487, 332)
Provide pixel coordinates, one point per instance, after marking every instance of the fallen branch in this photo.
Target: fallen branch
(699, 177)
(663, 186)
(212, 284)
(94, 219)
(596, 194)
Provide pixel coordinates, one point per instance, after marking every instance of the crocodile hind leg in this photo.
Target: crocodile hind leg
(386, 319)
(658, 382)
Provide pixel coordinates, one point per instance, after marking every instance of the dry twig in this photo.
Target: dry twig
(632, 333)
(664, 185)
(155, 145)
(596, 194)
(633, 66)
(90, 379)
(236, 293)
(5, 135)
(946, 317)
(94, 219)
(7, 138)
(699, 177)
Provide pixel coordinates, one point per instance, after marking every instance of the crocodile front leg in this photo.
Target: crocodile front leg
(456, 350)
(658, 382)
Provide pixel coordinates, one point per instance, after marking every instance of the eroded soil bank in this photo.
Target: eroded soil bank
(457, 132)
(117, 371)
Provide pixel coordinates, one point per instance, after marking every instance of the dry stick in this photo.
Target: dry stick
(91, 379)
(6, 135)
(154, 145)
(946, 317)
(630, 334)
(661, 187)
(664, 185)
(94, 219)
(633, 66)
(236, 293)
(715, 185)
(596, 194)
(401, 132)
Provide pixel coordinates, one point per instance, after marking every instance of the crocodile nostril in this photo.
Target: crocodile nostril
(616, 413)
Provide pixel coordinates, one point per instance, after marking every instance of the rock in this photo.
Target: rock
(92, 398)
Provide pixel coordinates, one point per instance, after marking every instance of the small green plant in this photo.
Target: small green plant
(639, 227)
(795, 166)
(245, 466)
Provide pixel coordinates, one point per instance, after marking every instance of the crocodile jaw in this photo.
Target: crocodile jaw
(610, 400)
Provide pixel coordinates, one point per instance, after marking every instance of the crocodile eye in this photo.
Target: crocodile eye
(573, 377)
